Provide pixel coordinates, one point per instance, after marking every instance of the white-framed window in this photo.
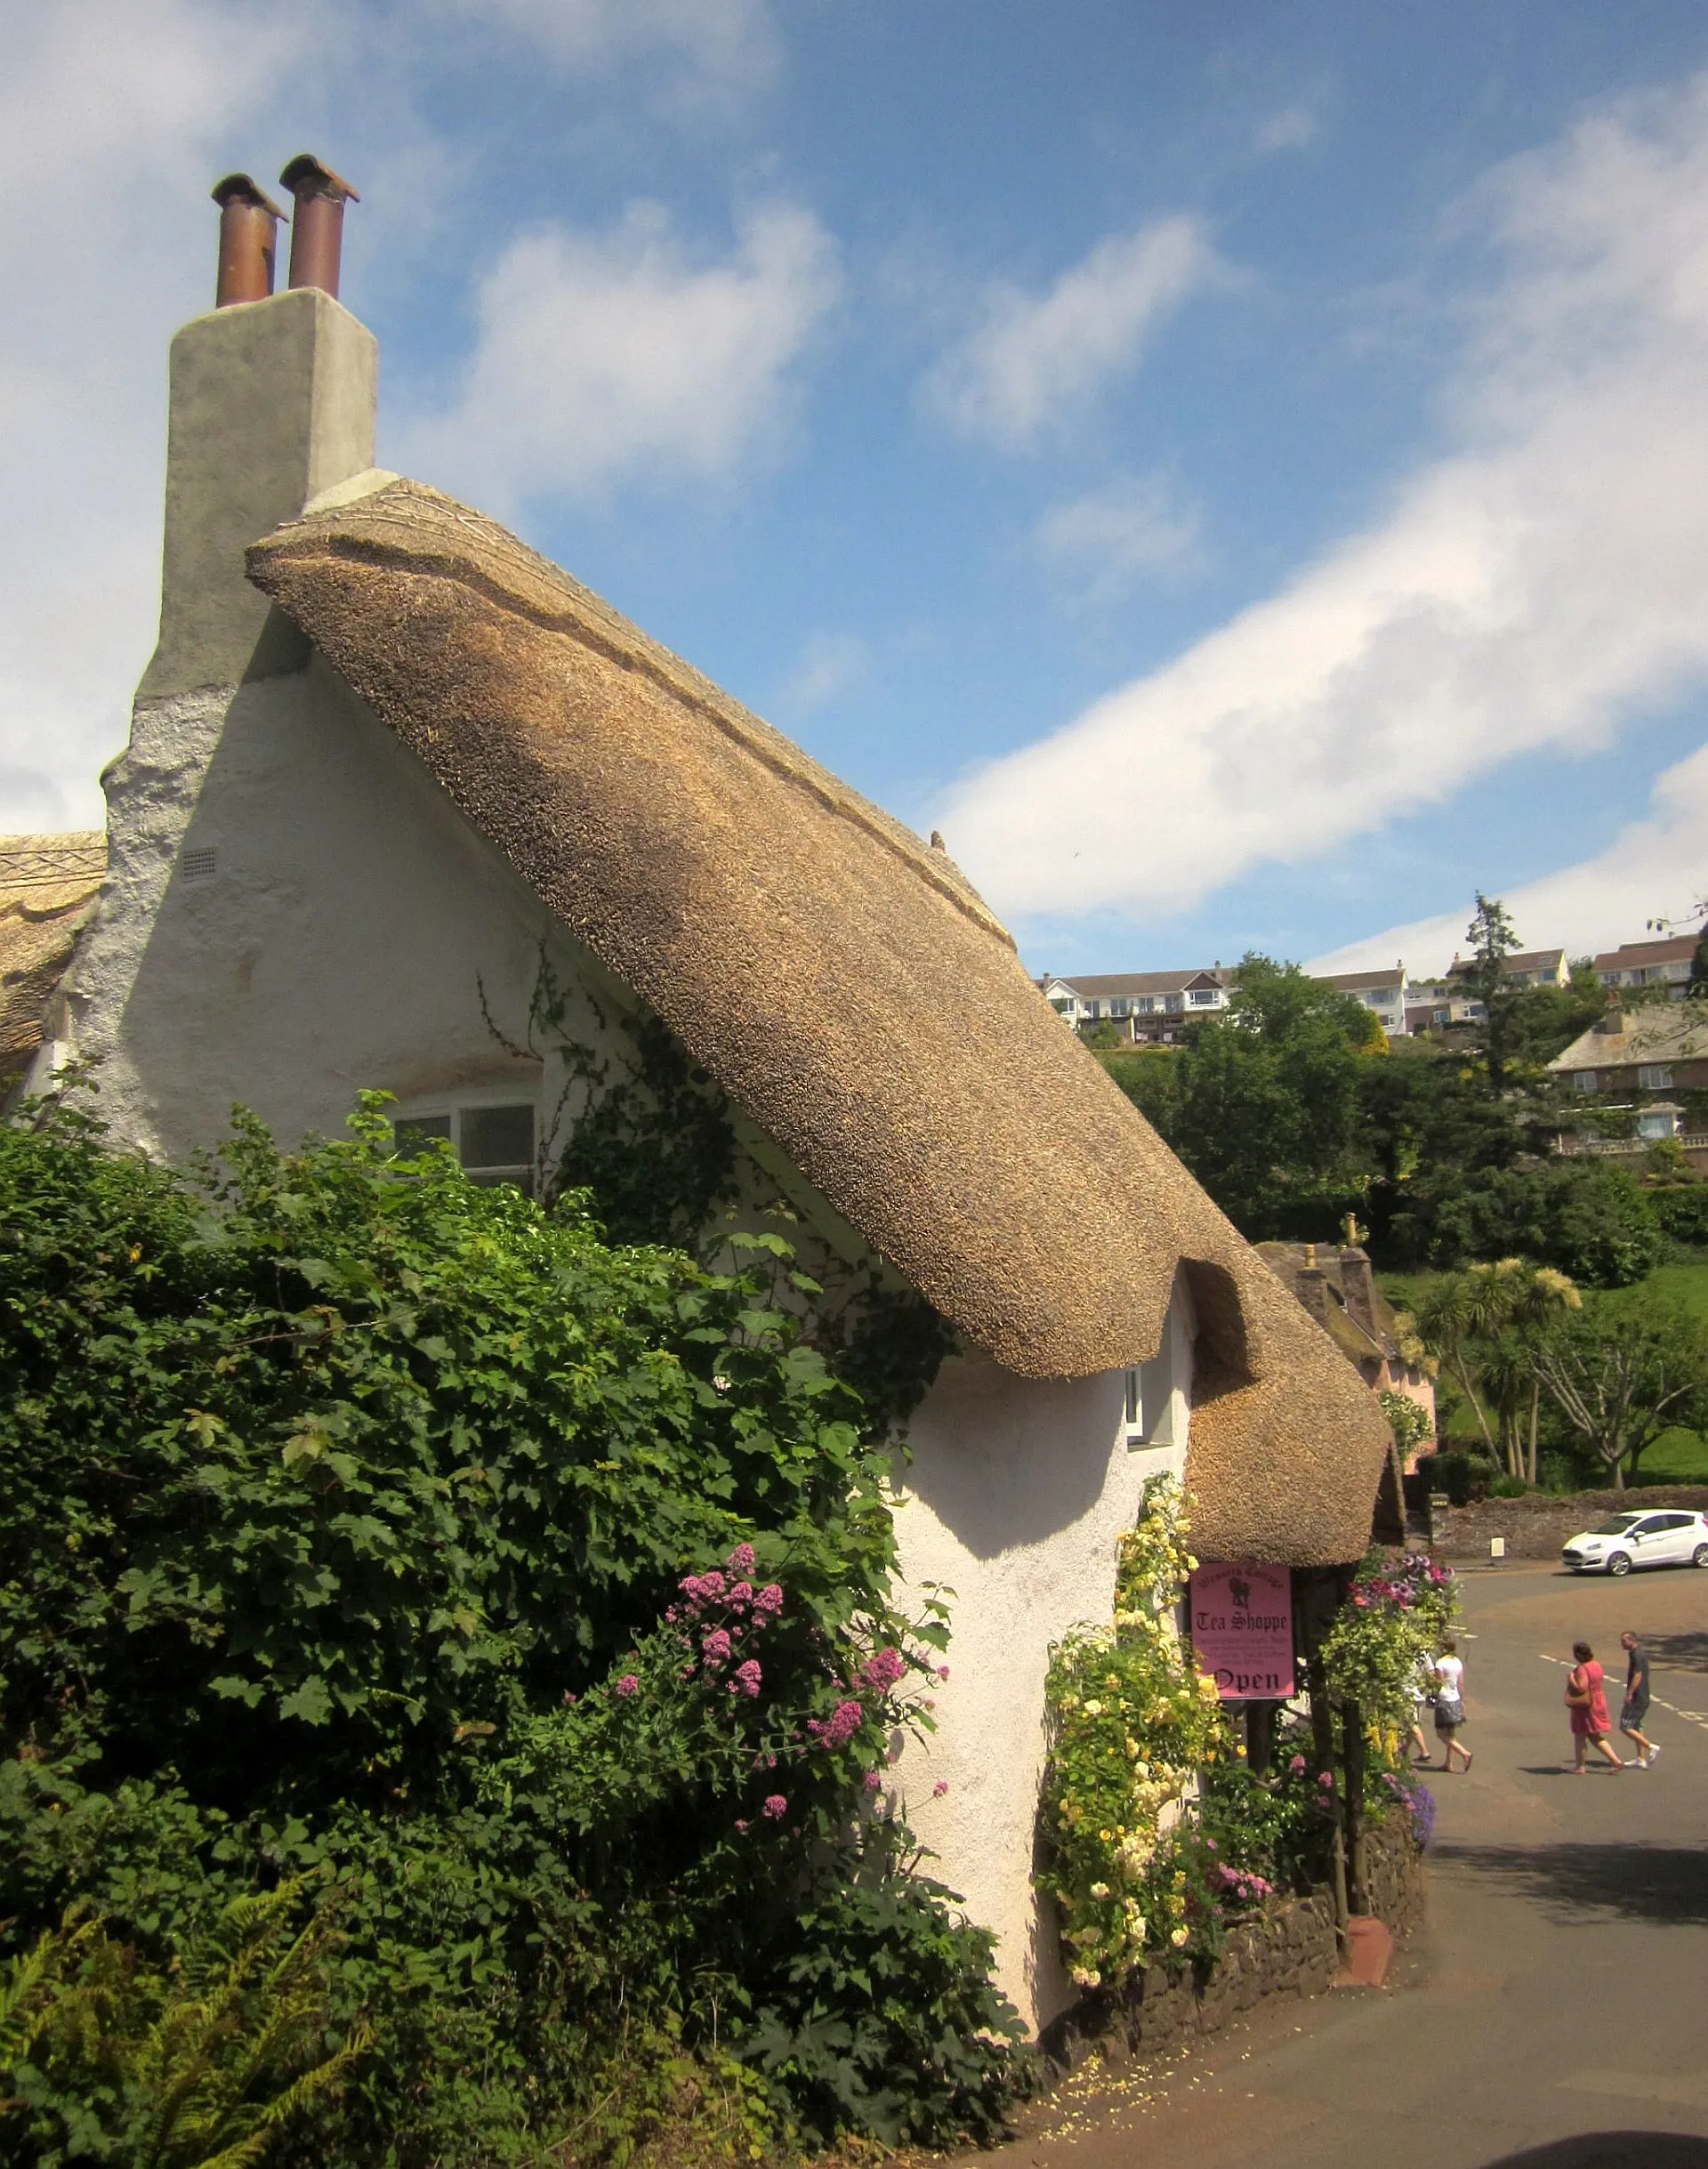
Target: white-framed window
(492, 1133)
(1145, 1005)
(1583, 1081)
(1118, 1008)
(1655, 1077)
(1205, 998)
(1094, 1009)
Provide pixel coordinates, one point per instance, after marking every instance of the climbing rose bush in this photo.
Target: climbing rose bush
(1132, 1721)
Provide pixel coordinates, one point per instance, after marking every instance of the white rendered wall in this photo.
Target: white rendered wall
(1018, 1493)
(341, 941)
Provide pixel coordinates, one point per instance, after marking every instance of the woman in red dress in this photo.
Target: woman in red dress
(1586, 1699)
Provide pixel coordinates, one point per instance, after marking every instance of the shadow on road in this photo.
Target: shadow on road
(1679, 1652)
(1664, 1884)
(1611, 2151)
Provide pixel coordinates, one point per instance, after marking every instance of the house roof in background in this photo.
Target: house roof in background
(1656, 1032)
(1521, 960)
(844, 984)
(48, 888)
(1122, 986)
(1378, 975)
(1631, 956)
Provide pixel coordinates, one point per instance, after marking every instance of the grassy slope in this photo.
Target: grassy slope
(1681, 1456)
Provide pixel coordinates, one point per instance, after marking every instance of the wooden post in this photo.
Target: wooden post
(1260, 1736)
(1322, 1728)
(1353, 1723)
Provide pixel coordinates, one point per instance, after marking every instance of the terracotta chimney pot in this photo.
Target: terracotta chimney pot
(318, 229)
(248, 241)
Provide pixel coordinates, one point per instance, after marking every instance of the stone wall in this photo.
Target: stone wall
(1289, 1949)
(1537, 1525)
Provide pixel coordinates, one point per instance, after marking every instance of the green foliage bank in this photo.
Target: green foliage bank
(518, 1604)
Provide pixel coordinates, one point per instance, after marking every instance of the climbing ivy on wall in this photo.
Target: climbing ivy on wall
(651, 1145)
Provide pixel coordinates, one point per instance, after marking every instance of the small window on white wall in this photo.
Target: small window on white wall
(1149, 1416)
(492, 1138)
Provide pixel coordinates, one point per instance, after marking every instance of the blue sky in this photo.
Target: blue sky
(1245, 480)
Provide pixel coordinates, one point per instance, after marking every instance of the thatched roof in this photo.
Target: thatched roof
(843, 983)
(48, 887)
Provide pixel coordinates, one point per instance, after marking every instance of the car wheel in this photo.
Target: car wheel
(1618, 1563)
(1699, 1556)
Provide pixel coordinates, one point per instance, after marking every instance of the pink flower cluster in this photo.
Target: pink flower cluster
(727, 1609)
(1238, 1884)
(839, 1727)
(629, 1684)
(776, 1807)
(882, 1672)
(747, 1679)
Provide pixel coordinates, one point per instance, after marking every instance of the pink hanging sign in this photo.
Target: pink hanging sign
(1242, 1630)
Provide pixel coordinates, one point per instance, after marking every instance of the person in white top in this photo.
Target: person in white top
(1450, 1703)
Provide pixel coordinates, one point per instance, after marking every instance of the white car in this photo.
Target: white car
(1628, 1540)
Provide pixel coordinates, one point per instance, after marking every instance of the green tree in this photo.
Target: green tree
(1620, 1377)
(1493, 939)
(1262, 1105)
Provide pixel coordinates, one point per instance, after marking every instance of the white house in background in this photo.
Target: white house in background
(1143, 1005)
(1379, 988)
(388, 769)
(1649, 963)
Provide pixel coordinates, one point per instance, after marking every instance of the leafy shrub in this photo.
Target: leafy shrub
(1682, 1211)
(1394, 1617)
(528, 1597)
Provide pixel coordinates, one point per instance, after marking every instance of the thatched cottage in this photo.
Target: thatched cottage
(390, 772)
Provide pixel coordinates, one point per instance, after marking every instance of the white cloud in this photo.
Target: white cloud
(618, 355)
(115, 120)
(829, 664)
(1654, 868)
(1534, 586)
(1135, 526)
(1290, 129)
(1036, 359)
(709, 48)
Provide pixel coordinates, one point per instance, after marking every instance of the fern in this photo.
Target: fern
(201, 2067)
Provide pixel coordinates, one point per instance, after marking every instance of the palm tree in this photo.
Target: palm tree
(1545, 1298)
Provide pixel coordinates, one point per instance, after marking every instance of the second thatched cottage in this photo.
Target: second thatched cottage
(391, 775)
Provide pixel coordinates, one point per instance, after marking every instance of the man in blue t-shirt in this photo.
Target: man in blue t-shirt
(1634, 1715)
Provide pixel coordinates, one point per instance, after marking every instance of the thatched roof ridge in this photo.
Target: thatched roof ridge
(48, 888)
(843, 983)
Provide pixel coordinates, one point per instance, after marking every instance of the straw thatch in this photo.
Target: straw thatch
(48, 888)
(843, 983)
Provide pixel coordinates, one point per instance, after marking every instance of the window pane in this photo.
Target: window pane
(497, 1136)
(415, 1132)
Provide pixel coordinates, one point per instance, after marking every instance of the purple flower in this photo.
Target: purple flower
(628, 1685)
(769, 1599)
(776, 1807)
(716, 1647)
(747, 1677)
(940, 1788)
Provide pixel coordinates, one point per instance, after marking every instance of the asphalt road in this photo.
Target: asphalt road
(1558, 1999)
